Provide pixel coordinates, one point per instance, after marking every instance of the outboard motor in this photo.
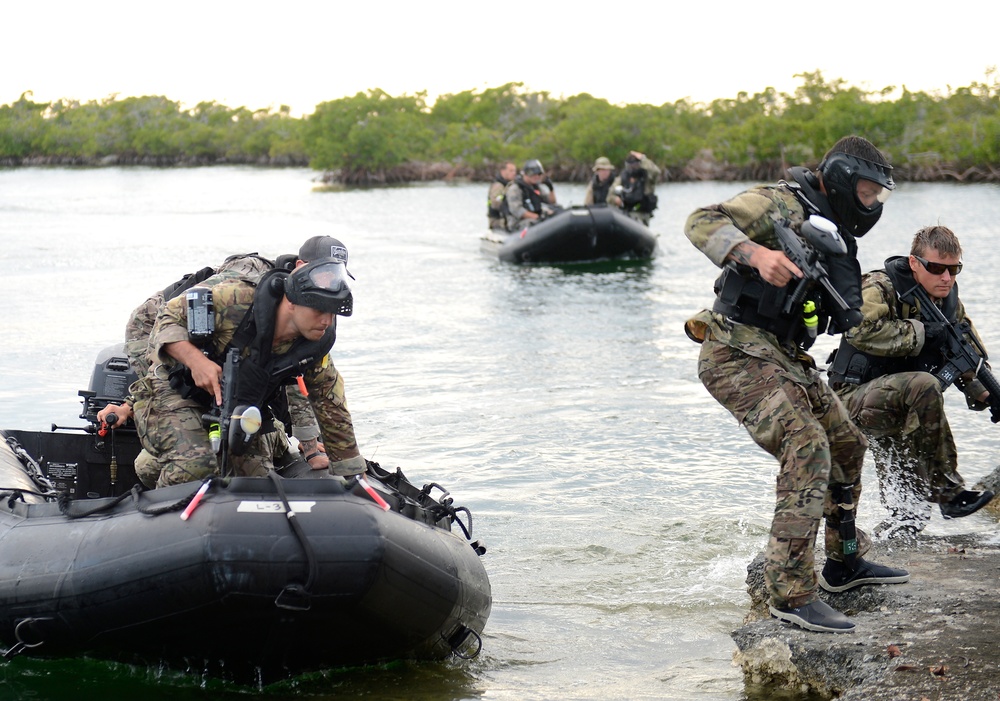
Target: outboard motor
(109, 382)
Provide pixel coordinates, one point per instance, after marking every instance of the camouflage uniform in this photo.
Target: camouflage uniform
(648, 187)
(517, 207)
(140, 325)
(494, 203)
(782, 401)
(902, 413)
(588, 194)
(171, 429)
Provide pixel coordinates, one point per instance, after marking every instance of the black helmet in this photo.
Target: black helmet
(533, 167)
(841, 173)
(322, 284)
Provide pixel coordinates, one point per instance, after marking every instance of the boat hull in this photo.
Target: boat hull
(580, 234)
(240, 589)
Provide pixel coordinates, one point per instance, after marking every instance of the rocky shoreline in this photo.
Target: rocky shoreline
(934, 638)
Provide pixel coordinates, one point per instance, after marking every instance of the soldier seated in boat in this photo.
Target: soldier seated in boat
(599, 187)
(529, 197)
(282, 325)
(634, 190)
(495, 198)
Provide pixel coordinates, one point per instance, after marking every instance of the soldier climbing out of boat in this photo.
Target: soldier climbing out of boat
(283, 324)
(530, 197)
(495, 199)
(891, 371)
(753, 361)
(634, 189)
(304, 427)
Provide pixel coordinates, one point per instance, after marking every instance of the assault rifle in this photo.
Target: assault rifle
(821, 241)
(962, 352)
(231, 426)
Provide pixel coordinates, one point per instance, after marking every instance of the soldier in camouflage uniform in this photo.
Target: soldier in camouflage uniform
(248, 266)
(495, 206)
(753, 361)
(304, 303)
(529, 196)
(634, 189)
(883, 374)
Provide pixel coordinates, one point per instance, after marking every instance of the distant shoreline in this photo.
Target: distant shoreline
(698, 170)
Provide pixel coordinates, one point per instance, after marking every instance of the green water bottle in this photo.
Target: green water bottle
(215, 436)
(810, 318)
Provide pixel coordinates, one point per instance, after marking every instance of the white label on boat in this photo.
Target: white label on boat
(274, 507)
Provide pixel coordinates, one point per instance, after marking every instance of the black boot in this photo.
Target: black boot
(837, 576)
(966, 503)
(816, 615)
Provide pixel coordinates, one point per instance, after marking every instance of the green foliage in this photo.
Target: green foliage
(147, 129)
(373, 135)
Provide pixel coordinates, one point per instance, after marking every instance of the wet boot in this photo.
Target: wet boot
(966, 503)
(837, 576)
(817, 616)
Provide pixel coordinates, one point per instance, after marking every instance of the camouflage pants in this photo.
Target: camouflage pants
(177, 448)
(806, 427)
(902, 415)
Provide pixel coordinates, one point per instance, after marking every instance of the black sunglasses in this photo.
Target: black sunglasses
(939, 268)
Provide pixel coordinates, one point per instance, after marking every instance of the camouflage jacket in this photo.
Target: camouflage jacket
(716, 230)
(494, 205)
(232, 300)
(140, 323)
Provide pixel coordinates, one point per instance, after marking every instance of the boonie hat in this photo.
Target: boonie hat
(603, 163)
(323, 247)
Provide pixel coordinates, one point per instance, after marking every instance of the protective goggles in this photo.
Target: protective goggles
(322, 285)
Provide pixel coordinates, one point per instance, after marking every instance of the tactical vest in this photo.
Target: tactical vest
(854, 367)
(531, 197)
(262, 375)
(743, 297)
(634, 197)
(844, 271)
(600, 189)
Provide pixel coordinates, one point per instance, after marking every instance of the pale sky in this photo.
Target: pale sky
(303, 52)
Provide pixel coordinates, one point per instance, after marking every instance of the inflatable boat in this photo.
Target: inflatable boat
(249, 579)
(576, 235)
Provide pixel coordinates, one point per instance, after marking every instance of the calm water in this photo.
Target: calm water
(620, 504)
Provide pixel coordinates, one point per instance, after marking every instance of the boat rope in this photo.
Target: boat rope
(66, 503)
(32, 468)
(16, 494)
(295, 596)
(180, 504)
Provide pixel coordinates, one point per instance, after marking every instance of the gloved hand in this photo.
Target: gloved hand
(935, 334)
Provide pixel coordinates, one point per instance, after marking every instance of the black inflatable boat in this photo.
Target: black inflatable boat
(577, 235)
(250, 579)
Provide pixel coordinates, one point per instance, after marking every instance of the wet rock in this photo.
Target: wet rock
(991, 482)
(936, 637)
